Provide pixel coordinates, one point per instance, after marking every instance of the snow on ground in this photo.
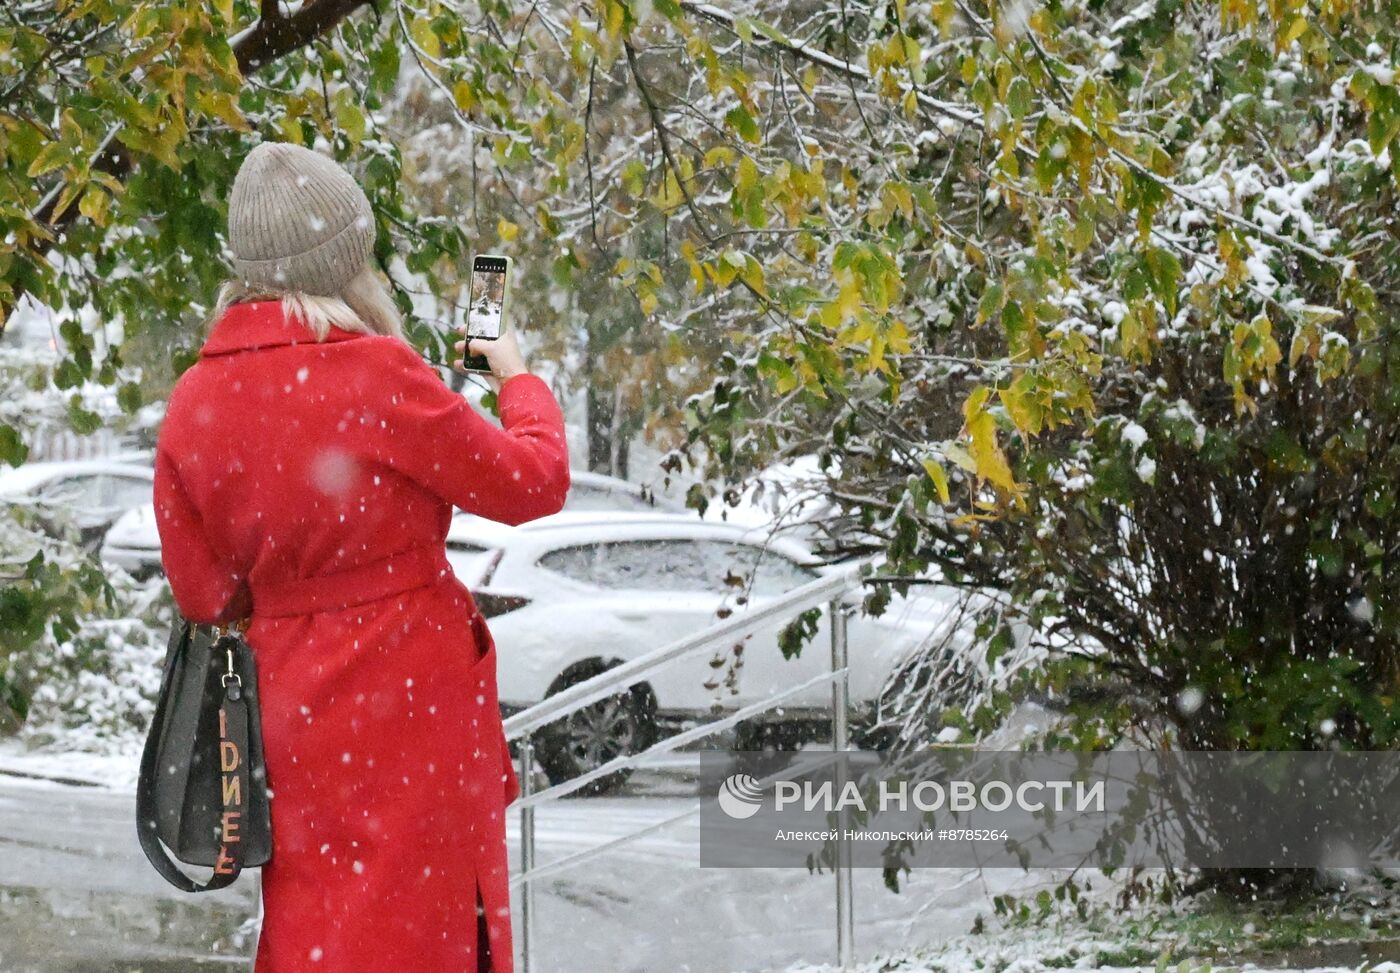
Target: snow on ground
(115, 770)
(965, 964)
(647, 907)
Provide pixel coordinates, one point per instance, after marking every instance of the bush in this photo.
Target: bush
(81, 645)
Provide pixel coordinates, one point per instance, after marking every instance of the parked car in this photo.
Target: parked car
(573, 595)
(89, 494)
(595, 491)
(134, 543)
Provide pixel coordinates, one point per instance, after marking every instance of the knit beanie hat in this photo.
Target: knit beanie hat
(297, 221)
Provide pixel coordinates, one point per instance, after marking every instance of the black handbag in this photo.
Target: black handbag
(203, 784)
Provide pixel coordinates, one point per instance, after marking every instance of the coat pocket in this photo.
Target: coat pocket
(484, 699)
(482, 642)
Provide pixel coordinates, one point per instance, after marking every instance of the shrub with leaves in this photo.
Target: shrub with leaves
(1094, 307)
(81, 646)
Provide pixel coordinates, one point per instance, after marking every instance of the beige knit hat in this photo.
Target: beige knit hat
(297, 221)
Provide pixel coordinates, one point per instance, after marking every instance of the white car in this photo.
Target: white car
(93, 493)
(596, 491)
(572, 595)
(133, 542)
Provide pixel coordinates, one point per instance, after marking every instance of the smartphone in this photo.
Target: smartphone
(486, 304)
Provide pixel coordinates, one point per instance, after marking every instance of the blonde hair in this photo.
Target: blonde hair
(363, 305)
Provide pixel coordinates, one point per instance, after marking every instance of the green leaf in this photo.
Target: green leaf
(739, 119)
(67, 375)
(1164, 272)
(12, 448)
(83, 421)
(350, 116)
(992, 299)
(797, 633)
(1018, 98)
(129, 397)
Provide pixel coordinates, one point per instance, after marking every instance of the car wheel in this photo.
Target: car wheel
(872, 736)
(773, 737)
(590, 737)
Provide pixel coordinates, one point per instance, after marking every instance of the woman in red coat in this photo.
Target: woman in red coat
(305, 478)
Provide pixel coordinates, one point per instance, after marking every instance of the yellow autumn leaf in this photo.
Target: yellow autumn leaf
(959, 456)
(464, 95)
(94, 205)
(506, 230)
(939, 476)
(421, 30)
(846, 305)
(1295, 30)
(981, 430)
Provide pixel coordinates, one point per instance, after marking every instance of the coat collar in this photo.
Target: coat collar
(261, 324)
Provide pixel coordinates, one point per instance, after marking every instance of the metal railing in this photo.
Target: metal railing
(828, 590)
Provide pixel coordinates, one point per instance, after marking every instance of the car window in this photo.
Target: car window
(83, 491)
(128, 492)
(471, 562)
(772, 573)
(100, 493)
(675, 565)
(649, 565)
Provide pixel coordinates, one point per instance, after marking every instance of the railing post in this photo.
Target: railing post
(527, 853)
(258, 892)
(840, 740)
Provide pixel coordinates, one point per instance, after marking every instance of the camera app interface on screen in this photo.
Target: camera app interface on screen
(487, 297)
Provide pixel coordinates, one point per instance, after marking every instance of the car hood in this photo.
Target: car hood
(136, 528)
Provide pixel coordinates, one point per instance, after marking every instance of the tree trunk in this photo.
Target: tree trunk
(602, 425)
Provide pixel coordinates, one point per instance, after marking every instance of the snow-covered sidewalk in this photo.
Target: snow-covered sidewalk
(111, 771)
(946, 963)
(650, 907)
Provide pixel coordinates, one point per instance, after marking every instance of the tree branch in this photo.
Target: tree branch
(821, 58)
(269, 40)
(266, 41)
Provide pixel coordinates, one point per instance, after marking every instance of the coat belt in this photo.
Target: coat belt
(392, 575)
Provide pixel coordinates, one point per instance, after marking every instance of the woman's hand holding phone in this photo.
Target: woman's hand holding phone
(502, 354)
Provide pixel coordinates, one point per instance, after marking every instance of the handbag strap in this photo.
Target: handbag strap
(234, 789)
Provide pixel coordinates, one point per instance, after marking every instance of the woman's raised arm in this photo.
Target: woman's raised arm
(512, 474)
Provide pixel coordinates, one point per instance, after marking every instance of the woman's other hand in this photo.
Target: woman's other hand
(502, 354)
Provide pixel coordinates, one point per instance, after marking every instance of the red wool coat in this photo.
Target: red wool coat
(311, 485)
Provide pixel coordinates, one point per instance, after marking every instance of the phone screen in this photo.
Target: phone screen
(487, 301)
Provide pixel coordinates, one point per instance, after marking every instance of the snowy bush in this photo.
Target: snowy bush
(94, 689)
(81, 645)
(1097, 323)
(78, 642)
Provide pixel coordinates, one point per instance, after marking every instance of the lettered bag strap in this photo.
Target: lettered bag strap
(233, 728)
(235, 785)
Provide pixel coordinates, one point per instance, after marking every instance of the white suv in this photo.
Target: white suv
(571, 595)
